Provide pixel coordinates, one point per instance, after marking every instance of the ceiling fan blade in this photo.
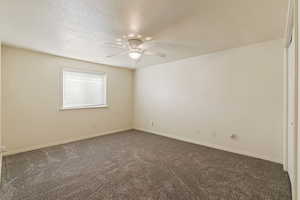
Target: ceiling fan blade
(152, 53)
(148, 44)
(115, 45)
(166, 44)
(117, 54)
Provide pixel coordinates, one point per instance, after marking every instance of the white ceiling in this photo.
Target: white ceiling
(184, 28)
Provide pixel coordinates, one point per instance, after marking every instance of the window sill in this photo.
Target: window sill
(83, 107)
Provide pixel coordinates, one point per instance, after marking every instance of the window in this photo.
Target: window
(83, 89)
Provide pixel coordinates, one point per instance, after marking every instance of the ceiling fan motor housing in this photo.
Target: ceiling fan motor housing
(134, 43)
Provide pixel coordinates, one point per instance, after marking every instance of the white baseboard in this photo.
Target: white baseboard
(31, 148)
(215, 146)
(24, 149)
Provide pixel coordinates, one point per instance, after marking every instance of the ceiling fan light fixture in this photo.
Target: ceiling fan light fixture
(135, 55)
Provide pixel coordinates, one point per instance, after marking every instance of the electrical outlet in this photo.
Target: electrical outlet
(214, 134)
(233, 136)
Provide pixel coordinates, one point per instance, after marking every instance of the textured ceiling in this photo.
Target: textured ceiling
(78, 28)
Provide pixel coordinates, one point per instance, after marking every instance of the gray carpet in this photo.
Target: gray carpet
(136, 165)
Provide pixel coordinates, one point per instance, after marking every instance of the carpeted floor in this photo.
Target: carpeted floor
(136, 165)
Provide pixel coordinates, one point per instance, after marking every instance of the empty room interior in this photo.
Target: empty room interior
(149, 100)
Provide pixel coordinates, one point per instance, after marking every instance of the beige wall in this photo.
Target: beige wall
(30, 102)
(205, 99)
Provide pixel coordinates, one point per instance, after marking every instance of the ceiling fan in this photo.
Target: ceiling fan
(135, 46)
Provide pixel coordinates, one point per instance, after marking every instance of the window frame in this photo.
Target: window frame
(61, 88)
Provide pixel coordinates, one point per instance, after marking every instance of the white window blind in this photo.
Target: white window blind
(83, 89)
